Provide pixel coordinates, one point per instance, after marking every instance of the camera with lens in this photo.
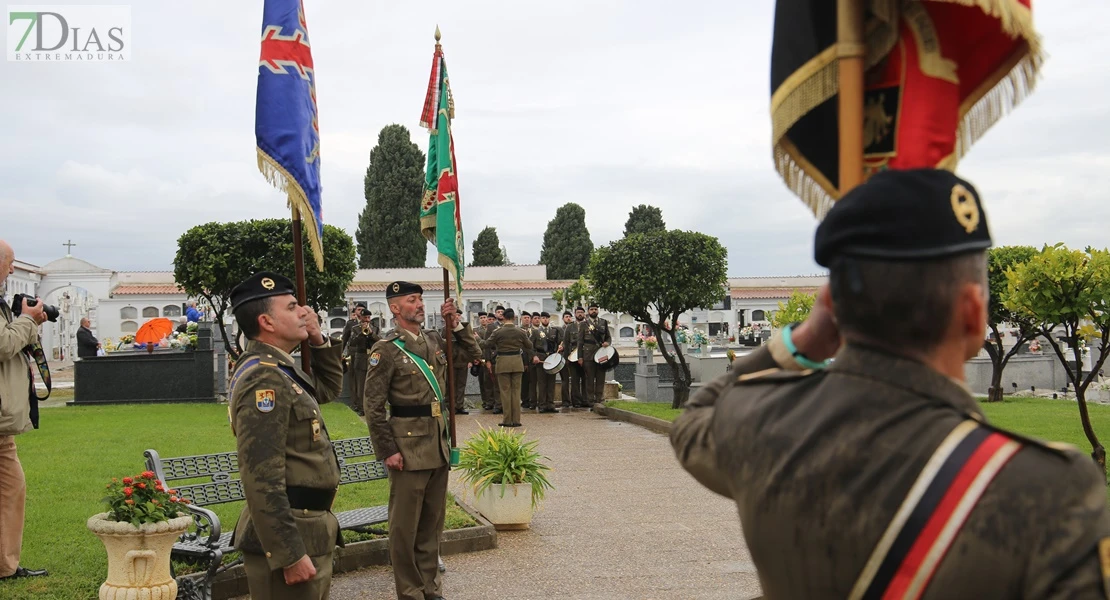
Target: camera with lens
(17, 306)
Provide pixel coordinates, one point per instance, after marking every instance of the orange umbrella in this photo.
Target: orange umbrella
(153, 331)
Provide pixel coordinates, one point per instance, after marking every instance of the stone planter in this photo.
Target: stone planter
(138, 557)
(513, 510)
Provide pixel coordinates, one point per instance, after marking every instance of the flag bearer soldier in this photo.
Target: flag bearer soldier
(290, 474)
(593, 334)
(908, 491)
(408, 374)
(510, 345)
(545, 342)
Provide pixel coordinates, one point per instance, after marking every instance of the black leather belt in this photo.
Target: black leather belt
(511, 353)
(423, 410)
(306, 498)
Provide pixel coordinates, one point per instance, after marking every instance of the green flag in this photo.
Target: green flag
(440, 217)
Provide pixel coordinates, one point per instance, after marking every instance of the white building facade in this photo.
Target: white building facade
(119, 302)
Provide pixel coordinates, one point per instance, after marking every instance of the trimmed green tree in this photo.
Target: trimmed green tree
(1068, 289)
(486, 250)
(214, 257)
(579, 293)
(644, 219)
(657, 276)
(388, 231)
(999, 261)
(566, 243)
(794, 310)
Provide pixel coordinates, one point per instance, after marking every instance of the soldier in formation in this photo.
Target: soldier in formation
(545, 342)
(362, 337)
(509, 344)
(877, 474)
(593, 335)
(407, 417)
(289, 470)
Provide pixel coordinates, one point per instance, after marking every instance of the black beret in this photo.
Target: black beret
(360, 305)
(904, 215)
(566, 313)
(545, 314)
(263, 284)
(499, 307)
(578, 308)
(482, 313)
(402, 288)
(594, 306)
(509, 313)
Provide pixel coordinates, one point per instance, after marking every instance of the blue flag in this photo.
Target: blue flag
(286, 125)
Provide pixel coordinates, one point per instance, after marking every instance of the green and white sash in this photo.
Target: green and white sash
(429, 375)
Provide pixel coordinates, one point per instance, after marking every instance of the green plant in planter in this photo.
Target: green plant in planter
(497, 455)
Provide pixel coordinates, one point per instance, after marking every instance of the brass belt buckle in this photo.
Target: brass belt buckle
(436, 410)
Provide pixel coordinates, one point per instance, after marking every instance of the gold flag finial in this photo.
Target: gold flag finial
(437, 33)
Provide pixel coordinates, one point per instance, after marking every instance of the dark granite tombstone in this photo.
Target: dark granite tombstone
(136, 376)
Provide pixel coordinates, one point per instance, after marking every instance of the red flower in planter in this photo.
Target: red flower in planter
(127, 491)
(127, 481)
(148, 475)
(142, 486)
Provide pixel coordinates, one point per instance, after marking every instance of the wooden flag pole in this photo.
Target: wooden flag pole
(298, 268)
(851, 51)
(448, 335)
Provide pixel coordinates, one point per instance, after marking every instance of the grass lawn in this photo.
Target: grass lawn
(1041, 418)
(79, 449)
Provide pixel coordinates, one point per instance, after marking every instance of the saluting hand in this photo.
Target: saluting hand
(312, 324)
(818, 337)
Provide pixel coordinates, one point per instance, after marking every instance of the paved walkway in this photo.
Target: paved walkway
(623, 522)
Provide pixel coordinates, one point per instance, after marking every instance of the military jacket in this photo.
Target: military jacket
(545, 340)
(488, 352)
(512, 346)
(392, 378)
(282, 441)
(347, 330)
(461, 354)
(592, 333)
(819, 464)
(570, 338)
(359, 344)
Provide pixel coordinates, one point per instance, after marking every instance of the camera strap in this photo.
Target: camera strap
(35, 353)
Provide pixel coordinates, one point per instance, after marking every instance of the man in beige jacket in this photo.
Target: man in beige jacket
(16, 396)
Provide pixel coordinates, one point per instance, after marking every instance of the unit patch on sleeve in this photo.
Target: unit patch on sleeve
(375, 358)
(264, 400)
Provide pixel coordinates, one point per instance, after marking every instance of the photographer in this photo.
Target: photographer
(18, 414)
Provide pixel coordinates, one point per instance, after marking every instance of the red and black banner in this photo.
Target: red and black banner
(939, 74)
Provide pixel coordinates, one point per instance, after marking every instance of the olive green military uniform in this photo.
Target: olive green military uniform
(416, 427)
(526, 379)
(545, 341)
(289, 469)
(574, 382)
(592, 333)
(461, 362)
(362, 338)
(511, 345)
(489, 355)
(819, 463)
(485, 378)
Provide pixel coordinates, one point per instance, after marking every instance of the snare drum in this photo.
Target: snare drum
(573, 356)
(554, 363)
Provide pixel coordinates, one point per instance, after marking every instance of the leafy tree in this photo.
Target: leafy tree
(644, 219)
(486, 250)
(1000, 260)
(795, 309)
(566, 243)
(579, 293)
(213, 258)
(505, 256)
(655, 277)
(388, 231)
(1069, 289)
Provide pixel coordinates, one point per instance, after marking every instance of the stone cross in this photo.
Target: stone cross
(69, 246)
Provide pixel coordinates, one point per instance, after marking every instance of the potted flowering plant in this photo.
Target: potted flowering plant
(506, 474)
(144, 519)
(651, 343)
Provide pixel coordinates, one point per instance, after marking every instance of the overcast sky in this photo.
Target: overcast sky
(607, 104)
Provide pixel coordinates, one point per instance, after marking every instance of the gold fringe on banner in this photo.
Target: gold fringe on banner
(282, 180)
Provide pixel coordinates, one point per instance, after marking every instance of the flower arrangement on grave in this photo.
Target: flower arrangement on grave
(699, 338)
(1034, 346)
(191, 327)
(182, 340)
(125, 340)
(651, 343)
(639, 340)
(682, 334)
(731, 355)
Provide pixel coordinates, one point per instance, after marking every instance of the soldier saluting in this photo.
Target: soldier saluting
(290, 474)
(363, 337)
(877, 475)
(407, 373)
